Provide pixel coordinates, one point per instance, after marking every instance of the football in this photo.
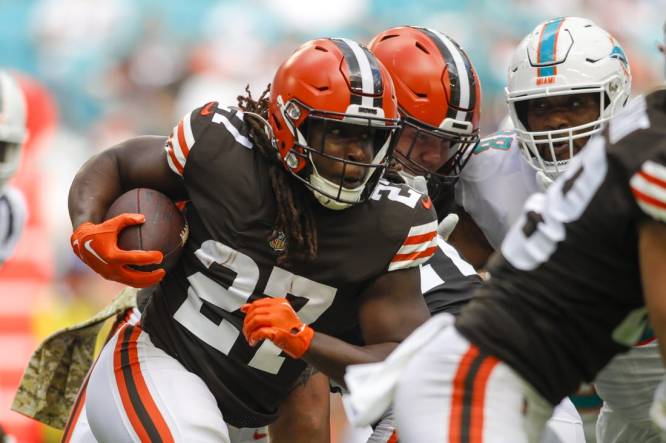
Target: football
(165, 228)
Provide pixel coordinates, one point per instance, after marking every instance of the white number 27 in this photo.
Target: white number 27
(281, 282)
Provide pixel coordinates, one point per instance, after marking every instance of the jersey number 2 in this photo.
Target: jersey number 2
(222, 336)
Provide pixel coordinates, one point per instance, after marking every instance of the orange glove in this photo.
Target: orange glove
(97, 246)
(274, 319)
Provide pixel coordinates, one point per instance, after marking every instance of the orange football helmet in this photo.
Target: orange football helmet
(335, 82)
(439, 93)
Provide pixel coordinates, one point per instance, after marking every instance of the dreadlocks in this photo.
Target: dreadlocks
(294, 215)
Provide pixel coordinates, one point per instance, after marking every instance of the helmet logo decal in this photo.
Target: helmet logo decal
(278, 242)
(545, 80)
(547, 49)
(618, 53)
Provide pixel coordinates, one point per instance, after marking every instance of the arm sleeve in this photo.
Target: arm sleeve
(211, 125)
(648, 185)
(420, 243)
(448, 281)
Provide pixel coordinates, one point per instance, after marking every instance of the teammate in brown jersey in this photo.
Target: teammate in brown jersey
(291, 225)
(585, 259)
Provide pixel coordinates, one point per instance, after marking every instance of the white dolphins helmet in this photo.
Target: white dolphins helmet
(563, 56)
(13, 130)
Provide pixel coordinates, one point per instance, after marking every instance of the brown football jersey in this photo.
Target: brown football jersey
(230, 259)
(566, 292)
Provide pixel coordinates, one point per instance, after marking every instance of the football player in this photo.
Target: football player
(13, 133)
(291, 225)
(439, 105)
(566, 78)
(585, 259)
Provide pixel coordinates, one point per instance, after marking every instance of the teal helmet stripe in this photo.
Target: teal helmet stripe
(547, 50)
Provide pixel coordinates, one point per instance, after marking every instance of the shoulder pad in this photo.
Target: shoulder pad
(649, 188)
(408, 221)
(192, 127)
(396, 192)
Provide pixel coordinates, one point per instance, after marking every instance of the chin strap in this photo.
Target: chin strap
(322, 186)
(328, 202)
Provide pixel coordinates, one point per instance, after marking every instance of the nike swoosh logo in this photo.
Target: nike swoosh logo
(93, 252)
(207, 109)
(258, 435)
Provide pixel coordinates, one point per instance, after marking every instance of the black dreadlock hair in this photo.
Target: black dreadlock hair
(294, 213)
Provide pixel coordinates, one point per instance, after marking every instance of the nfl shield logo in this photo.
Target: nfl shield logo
(278, 241)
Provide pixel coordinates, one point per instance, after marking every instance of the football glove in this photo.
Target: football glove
(274, 319)
(97, 246)
(446, 226)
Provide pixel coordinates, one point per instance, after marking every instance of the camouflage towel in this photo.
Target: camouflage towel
(58, 367)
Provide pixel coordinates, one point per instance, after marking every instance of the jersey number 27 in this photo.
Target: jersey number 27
(223, 335)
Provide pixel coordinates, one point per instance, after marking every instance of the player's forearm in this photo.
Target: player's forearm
(95, 187)
(332, 356)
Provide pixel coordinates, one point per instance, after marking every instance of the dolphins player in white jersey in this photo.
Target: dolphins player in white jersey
(566, 79)
(13, 134)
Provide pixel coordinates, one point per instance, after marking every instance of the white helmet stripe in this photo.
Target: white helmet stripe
(463, 78)
(367, 79)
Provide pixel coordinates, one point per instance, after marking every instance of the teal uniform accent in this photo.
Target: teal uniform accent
(547, 46)
(499, 140)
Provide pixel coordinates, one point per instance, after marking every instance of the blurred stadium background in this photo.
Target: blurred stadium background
(99, 71)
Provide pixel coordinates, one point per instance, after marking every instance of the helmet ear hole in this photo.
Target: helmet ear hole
(308, 129)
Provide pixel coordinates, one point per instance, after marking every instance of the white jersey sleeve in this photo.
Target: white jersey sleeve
(565, 425)
(495, 184)
(13, 215)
